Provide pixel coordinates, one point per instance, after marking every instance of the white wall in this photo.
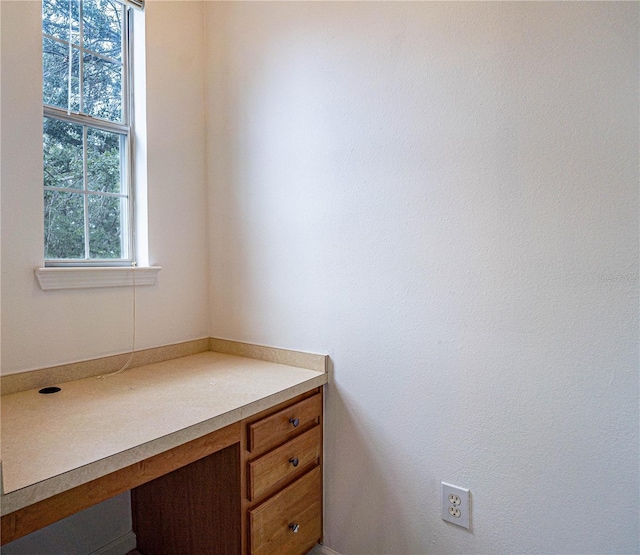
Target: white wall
(47, 328)
(42, 329)
(444, 197)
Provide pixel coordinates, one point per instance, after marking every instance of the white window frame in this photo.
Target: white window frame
(125, 129)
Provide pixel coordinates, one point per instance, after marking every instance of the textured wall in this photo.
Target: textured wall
(443, 197)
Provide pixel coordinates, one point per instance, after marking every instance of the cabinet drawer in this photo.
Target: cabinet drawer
(284, 463)
(277, 428)
(290, 522)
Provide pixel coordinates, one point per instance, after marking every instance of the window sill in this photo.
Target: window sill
(83, 278)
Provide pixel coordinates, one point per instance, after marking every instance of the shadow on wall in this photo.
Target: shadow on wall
(79, 535)
(379, 518)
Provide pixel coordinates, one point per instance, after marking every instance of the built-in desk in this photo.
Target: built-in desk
(174, 424)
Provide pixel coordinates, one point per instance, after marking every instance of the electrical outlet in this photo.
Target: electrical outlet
(455, 505)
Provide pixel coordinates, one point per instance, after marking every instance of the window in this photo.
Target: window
(87, 95)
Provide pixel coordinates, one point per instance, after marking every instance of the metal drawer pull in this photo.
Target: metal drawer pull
(294, 461)
(294, 527)
(294, 421)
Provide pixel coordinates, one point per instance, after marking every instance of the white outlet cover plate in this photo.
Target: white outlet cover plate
(463, 494)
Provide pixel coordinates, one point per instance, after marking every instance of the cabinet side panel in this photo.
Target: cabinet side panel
(193, 510)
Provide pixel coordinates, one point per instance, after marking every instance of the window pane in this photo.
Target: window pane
(55, 18)
(103, 161)
(104, 226)
(63, 225)
(85, 172)
(63, 161)
(103, 27)
(102, 88)
(55, 75)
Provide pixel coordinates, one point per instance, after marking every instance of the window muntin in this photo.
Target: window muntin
(86, 133)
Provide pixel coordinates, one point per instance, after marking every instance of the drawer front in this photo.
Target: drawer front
(284, 463)
(290, 522)
(277, 428)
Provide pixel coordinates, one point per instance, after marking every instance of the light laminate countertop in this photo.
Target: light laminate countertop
(92, 427)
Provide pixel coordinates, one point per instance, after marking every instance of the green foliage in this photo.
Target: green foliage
(67, 145)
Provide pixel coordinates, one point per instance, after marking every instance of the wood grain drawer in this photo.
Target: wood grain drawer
(289, 422)
(277, 467)
(298, 507)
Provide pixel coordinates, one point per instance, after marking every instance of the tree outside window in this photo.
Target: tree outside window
(86, 132)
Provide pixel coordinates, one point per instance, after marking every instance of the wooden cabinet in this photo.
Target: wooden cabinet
(259, 493)
(290, 521)
(282, 482)
(285, 463)
(285, 423)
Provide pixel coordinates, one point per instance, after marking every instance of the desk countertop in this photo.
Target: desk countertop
(92, 427)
